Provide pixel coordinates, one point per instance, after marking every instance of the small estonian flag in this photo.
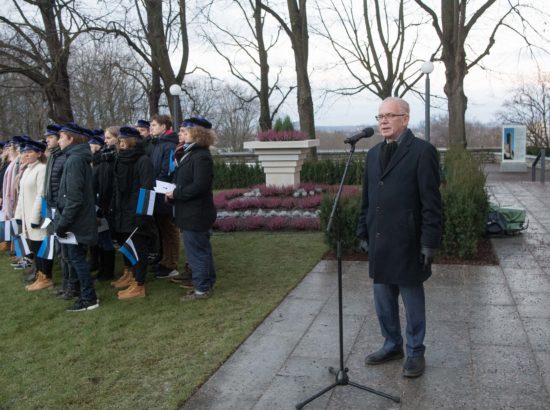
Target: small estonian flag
(129, 251)
(146, 202)
(20, 245)
(43, 208)
(47, 248)
(10, 229)
(171, 163)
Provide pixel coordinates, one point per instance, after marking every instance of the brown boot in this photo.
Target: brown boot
(41, 282)
(135, 291)
(124, 280)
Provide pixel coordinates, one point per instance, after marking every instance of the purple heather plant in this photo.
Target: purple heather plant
(271, 135)
(274, 199)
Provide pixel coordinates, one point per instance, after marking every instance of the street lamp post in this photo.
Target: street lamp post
(427, 68)
(175, 91)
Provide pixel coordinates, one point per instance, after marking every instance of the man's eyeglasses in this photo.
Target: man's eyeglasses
(388, 116)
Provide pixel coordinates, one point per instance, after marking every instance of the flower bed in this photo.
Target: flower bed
(270, 208)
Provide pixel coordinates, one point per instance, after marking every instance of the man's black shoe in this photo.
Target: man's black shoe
(83, 305)
(381, 356)
(414, 366)
(164, 273)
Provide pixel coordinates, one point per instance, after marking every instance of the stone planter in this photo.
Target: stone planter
(281, 160)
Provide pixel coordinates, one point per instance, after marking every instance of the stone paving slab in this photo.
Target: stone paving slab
(487, 343)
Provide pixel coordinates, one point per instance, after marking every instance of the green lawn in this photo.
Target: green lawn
(150, 353)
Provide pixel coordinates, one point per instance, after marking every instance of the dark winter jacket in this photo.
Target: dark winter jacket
(3, 168)
(193, 201)
(54, 169)
(133, 170)
(148, 146)
(163, 150)
(401, 211)
(75, 203)
(103, 178)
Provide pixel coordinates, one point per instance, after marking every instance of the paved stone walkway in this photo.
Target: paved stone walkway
(488, 339)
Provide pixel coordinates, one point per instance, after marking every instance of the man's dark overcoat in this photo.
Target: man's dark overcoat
(401, 211)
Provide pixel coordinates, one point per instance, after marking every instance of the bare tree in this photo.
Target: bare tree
(253, 46)
(104, 87)
(24, 107)
(530, 106)
(480, 135)
(298, 34)
(200, 97)
(377, 47)
(453, 29)
(36, 43)
(152, 29)
(236, 118)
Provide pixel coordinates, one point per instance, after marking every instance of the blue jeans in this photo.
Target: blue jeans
(201, 262)
(386, 301)
(76, 257)
(70, 280)
(104, 240)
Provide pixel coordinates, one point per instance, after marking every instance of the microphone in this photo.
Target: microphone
(366, 133)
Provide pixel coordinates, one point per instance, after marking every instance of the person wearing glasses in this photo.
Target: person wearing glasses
(400, 227)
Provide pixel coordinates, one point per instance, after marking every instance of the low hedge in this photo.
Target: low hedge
(535, 150)
(326, 171)
(236, 175)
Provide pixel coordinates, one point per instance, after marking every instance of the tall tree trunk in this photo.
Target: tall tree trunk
(456, 104)
(154, 93)
(454, 56)
(57, 88)
(159, 52)
(58, 94)
(299, 37)
(265, 111)
(300, 45)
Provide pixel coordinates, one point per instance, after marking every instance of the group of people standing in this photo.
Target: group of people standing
(83, 187)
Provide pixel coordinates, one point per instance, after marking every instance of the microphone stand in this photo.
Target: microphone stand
(342, 378)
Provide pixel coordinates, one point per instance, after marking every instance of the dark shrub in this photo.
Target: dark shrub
(349, 209)
(465, 203)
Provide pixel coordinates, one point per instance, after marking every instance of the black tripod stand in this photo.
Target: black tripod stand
(342, 378)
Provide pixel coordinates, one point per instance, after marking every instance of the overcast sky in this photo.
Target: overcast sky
(507, 64)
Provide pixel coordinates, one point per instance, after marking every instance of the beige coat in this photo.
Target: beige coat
(31, 190)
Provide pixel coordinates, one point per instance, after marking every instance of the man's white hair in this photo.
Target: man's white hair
(404, 105)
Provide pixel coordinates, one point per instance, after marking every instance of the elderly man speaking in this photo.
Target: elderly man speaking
(400, 225)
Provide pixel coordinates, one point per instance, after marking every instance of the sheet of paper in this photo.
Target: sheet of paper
(163, 187)
(70, 239)
(46, 222)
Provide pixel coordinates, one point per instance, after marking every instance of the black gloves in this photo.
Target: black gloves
(61, 231)
(427, 256)
(35, 226)
(363, 246)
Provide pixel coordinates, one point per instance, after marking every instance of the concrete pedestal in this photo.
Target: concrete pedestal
(281, 160)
